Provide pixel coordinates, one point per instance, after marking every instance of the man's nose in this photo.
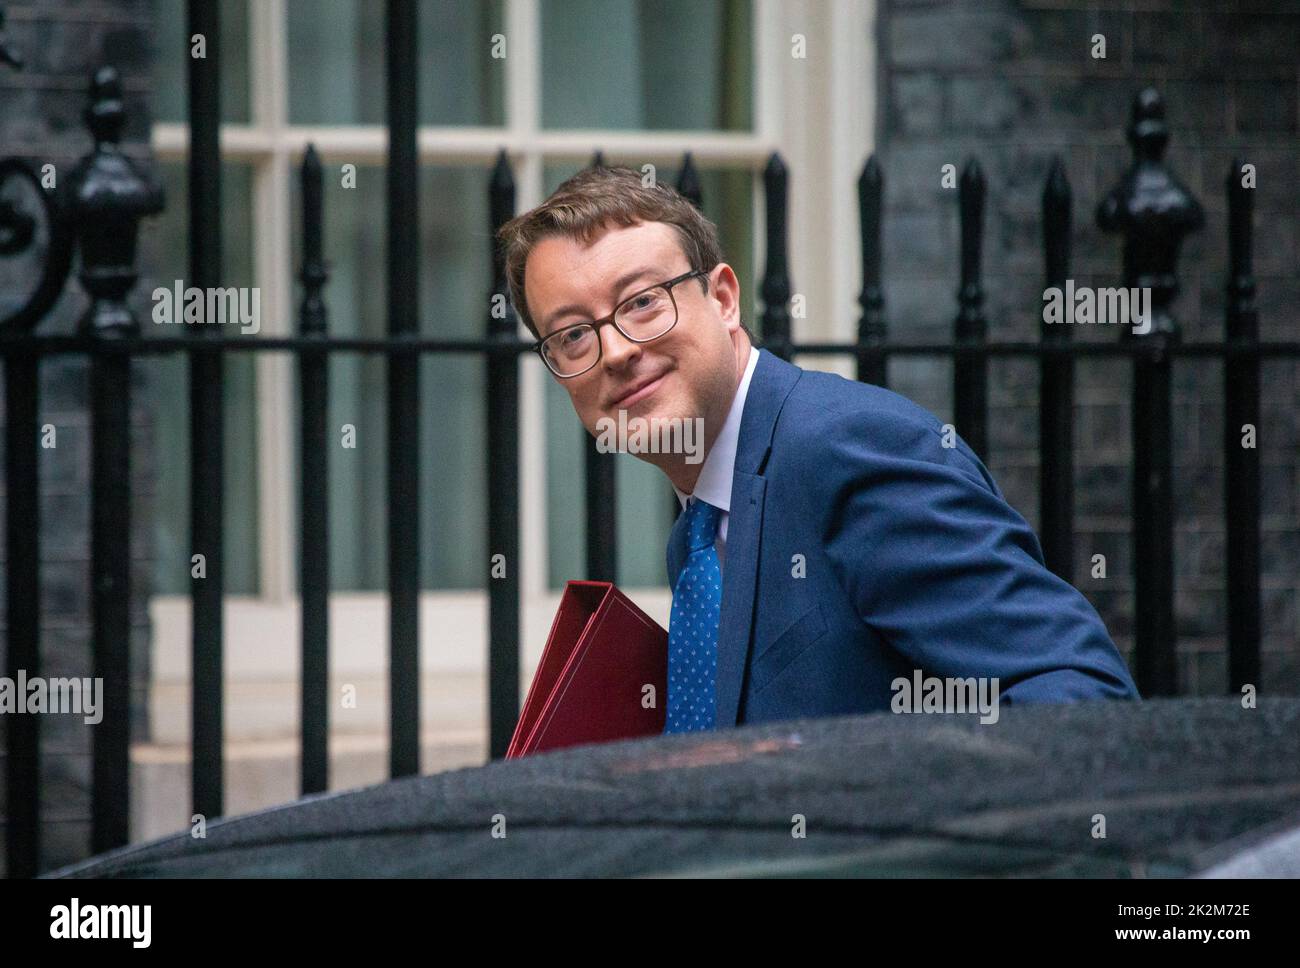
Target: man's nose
(616, 349)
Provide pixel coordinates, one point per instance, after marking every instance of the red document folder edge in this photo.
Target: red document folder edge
(601, 654)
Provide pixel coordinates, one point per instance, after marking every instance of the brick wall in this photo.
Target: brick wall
(62, 41)
(1011, 83)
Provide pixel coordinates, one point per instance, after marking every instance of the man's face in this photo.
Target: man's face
(691, 371)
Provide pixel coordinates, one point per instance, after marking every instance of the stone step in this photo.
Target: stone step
(264, 773)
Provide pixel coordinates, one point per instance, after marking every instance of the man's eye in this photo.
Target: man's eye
(572, 342)
(646, 302)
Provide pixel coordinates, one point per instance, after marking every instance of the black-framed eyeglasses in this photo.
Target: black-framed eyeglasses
(643, 316)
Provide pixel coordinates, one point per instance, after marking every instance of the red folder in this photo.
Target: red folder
(601, 654)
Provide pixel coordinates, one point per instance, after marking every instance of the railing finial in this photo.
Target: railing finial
(106, 196)
(315, 271)
(1153, 211)
(688, 182)
(776, 286)
(872, 330)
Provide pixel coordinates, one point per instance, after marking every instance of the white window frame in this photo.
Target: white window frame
(817, 111)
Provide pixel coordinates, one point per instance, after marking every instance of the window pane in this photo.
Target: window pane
(455, 274)
(647, 64)
(645, 498)
(336, 62)
(455, 279)
(165, 244)
(172, 54)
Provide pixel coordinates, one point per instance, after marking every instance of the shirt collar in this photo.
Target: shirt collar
(714, 483)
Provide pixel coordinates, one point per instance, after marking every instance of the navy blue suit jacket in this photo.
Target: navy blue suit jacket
(912, 559)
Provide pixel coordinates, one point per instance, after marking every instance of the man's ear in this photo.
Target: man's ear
(726, 286)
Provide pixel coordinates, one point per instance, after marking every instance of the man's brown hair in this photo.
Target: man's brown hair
(583, 207)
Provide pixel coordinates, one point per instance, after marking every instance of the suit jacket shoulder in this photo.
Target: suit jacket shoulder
(824, 410)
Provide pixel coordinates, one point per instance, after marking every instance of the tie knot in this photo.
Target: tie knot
(701, 524)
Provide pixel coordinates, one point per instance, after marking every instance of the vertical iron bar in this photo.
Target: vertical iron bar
(403, 389)
(313, 560)
(110, 567)
(1153, 552)
(1056, 389)
(872, 331)
(106, 196)
(1153, 211)
(504, 587)
(970, 373)
(22, 551)
(776, 273)
(22, 541)
(602, 516)
(688, 185)
(207, 420)
(602, 495)
(22, 581)
(1241, 489)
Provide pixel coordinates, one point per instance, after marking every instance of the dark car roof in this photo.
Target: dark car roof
(1175, 782)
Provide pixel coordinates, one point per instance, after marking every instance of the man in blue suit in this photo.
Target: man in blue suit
(838, 543)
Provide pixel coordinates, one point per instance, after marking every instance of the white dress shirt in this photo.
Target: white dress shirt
(714, 482)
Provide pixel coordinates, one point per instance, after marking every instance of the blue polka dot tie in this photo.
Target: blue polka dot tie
(693, 626)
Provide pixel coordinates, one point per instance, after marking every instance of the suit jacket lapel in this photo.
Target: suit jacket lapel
(739, 574)
(771, 383)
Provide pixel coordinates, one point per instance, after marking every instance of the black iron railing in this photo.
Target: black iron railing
(100, 216)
